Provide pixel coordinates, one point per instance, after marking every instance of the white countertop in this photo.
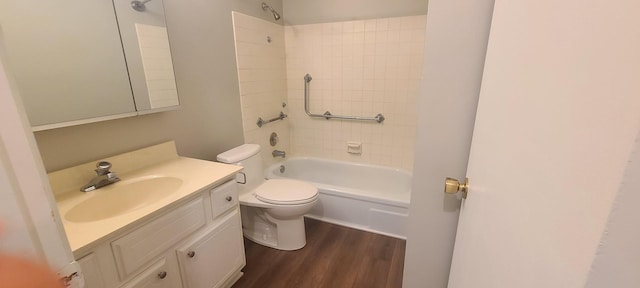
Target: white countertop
(195, 175)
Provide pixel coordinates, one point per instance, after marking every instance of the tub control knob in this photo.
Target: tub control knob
(191, 254)
(452, 186)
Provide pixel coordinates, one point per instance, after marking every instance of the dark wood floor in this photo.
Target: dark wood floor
(335, 256)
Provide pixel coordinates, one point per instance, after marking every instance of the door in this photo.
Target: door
(28, 216)
(556, 123)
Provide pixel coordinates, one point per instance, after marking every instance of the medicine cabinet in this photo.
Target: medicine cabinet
(77, 62)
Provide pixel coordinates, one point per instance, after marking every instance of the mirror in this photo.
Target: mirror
(77, 62)
(146, 46)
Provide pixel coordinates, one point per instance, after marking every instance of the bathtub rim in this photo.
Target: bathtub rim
(340, 161)
(342, 191)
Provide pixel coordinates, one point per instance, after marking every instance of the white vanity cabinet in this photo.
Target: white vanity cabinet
(195, 244)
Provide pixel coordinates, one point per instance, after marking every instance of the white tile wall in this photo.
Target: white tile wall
(262, 77)
(359, 68)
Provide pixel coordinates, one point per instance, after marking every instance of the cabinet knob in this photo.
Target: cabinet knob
(162, 275)
(229, 198)
(191, 254)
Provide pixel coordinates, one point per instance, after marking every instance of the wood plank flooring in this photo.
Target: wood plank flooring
(335, 257)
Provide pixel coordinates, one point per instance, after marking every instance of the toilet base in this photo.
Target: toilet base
(259, 227)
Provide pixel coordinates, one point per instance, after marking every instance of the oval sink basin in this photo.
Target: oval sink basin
(123, 197)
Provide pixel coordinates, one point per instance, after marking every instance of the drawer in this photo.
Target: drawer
(139, 247)
(224, 197)
(159, 275)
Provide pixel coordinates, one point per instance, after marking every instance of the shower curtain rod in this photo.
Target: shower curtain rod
(327, 115)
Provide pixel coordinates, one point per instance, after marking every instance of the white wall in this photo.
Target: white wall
(457, 33)
(313, 11)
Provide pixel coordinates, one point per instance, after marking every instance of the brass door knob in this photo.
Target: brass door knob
(452, 186)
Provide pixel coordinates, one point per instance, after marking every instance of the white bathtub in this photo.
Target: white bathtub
(366, 197)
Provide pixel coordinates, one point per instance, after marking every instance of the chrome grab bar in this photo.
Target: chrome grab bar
(262, 122)
(327, 115)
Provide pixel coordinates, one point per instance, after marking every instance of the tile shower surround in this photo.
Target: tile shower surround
(263, 83)
(358, 67)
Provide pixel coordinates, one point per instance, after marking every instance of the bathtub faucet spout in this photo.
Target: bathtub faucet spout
(278, 153)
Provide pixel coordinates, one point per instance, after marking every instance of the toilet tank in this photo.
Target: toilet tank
(247, 156)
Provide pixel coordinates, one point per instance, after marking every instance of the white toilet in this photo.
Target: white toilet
(272, 210)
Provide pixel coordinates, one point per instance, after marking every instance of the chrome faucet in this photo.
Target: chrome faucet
(104, 177)
(278, 153)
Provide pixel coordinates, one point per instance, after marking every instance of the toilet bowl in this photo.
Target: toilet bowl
(272, 211)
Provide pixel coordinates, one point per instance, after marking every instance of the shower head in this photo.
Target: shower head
(275, 14)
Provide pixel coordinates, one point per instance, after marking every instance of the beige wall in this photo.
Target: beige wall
(263, 83)
(209, 119)
(313, 11)
(359, 68)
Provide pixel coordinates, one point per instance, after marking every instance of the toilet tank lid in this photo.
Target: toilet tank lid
(239, 153)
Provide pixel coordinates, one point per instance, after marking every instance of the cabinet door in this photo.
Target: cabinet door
(91, 271)
(159, 275)
(212, 259)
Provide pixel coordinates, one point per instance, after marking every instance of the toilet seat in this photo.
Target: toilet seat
(286, 192)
